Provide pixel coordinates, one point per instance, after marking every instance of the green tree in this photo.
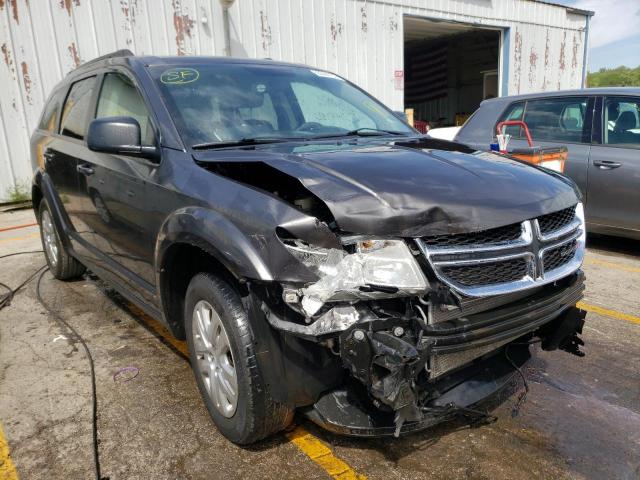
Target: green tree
(615, 77)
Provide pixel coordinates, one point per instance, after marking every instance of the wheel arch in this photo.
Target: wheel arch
(194, 240)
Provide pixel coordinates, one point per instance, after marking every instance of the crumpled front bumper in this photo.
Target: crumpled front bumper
(400, 383)
(346, 411)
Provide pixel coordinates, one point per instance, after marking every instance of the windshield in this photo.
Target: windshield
(226, 103)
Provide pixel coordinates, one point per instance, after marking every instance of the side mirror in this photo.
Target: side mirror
(120, 135)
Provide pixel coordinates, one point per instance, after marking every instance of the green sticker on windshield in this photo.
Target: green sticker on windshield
(177, 76)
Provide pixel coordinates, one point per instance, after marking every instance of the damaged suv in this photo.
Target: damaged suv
(316, 252)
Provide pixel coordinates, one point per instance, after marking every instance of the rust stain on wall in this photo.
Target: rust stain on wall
(26, 80)
(74, 53)
(533, 62)
(574, 53)
(183, 25)
(364, 26)
(133, 10)
(335, 29)
(68, 4)
(6, 55)
(265, 31)
(562, 52)
(547, 54)
(1, 4)
(393, 24)
(517, 57)
(14, 10)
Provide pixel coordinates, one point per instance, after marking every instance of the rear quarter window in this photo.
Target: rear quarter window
(75, 113)
(51, 111)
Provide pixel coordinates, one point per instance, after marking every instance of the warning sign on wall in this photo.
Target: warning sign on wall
(398, 79)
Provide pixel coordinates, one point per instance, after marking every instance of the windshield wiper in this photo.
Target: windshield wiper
(364, 132)
(238, 143)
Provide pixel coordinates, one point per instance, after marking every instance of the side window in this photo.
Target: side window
(321, 106)
(558, 119)
(622, 121)
(514, 112)
(49, 118)
(76, 107)
(120, 97)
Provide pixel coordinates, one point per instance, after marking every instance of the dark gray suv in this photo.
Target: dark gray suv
(316, 252)
(601, 129)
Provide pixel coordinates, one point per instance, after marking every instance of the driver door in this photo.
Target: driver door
(113, 205)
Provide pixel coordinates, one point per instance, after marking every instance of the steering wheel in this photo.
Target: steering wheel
(309, 127)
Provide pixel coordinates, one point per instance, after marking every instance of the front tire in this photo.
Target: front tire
(62, 265)
(222, 356)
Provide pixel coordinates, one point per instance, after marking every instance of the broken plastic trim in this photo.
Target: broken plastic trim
(336, 320)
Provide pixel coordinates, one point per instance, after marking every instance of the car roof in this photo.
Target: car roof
(125, 57)
(565, 93)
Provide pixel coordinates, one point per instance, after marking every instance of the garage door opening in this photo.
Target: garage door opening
(449, 69)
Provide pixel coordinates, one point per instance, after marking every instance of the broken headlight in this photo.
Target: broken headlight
(373, 269)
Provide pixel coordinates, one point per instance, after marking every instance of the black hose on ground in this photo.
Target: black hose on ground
(6, 298)
(94, 397)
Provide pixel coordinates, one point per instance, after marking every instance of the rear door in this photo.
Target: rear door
(614, 166)
(557, 121)
(66, 148)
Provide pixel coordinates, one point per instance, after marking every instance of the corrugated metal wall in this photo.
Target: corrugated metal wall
(41, 40)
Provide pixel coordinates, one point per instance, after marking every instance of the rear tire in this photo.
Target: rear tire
(219, 336)
(62, 265)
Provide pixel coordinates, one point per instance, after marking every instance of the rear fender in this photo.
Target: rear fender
(58, 213)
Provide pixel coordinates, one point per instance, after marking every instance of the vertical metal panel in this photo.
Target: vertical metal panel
(360, 40)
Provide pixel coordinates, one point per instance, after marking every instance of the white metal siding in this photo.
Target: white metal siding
(361, 40)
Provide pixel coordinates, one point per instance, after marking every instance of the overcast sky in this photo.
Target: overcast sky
(614, 32)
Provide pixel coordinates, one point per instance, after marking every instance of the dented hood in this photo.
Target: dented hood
(413, 189)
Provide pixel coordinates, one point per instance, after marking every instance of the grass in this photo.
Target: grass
(18, 193)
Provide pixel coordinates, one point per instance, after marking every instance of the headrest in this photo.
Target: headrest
(626, 121)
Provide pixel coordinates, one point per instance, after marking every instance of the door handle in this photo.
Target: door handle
(606, 164)
(85, 170)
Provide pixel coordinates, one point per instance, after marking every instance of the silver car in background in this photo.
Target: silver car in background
(600, 128)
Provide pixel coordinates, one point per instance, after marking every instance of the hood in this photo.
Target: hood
(413, 189)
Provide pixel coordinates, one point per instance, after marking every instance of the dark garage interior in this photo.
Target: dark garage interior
(449, 68)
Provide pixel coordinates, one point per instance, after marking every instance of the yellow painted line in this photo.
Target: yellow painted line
(322, 455)
(7, 468)
(16, 239)
(311, 446)
(608, 312)
(618, 266)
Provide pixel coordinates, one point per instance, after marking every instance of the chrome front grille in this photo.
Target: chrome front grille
(485, 273)
(555, 221)
(509, 259)
(508, 233)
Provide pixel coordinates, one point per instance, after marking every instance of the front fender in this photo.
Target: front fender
(215, 234)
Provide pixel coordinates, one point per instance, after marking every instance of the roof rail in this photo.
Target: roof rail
(118, 53)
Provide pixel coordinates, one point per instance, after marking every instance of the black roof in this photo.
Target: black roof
(127, 57)
(564, 93)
